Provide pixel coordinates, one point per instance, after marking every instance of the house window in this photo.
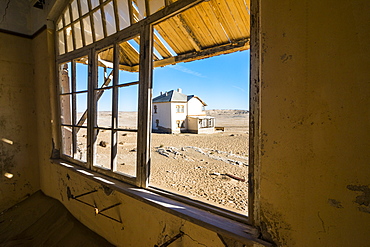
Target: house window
(106, 55)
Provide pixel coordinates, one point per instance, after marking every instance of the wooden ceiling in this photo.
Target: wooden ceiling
(210, 28)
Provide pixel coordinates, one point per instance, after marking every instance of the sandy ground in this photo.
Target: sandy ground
(205, 167)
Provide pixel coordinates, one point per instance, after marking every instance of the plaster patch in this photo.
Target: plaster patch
(335, 203)
(362, 200)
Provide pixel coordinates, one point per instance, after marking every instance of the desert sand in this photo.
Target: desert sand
(205, 167)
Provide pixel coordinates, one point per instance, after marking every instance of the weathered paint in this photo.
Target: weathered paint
(314, 123)
(18, 130)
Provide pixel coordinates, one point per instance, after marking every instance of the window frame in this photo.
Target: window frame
(144, 28)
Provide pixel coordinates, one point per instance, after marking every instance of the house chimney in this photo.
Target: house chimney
(161, 93)
(179, 90)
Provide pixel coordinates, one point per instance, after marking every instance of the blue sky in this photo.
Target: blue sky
(222, 82)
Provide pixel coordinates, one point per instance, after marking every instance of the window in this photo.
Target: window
(106, 54)
(179, 108)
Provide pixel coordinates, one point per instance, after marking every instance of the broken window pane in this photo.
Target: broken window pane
(110, 20)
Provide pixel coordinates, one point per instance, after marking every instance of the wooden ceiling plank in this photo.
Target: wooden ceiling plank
(224, 18)
(185, 28)
(238, 9)
(214, 24)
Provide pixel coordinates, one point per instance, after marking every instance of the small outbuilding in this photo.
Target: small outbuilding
(175, 112)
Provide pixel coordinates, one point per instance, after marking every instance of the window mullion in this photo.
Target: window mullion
(74, 107)
(91, 120)
(145, 97)
(115, 107)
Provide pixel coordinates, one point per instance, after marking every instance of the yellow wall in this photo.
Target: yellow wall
(18, 130)
(315, 121)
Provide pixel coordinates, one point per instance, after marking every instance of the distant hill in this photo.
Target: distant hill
(217, 112)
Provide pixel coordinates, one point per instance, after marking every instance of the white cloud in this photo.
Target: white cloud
(188, 71)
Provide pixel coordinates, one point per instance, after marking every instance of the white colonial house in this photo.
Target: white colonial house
(175, 112)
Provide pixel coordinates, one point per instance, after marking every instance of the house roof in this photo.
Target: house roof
(175, 96)
(171, 96)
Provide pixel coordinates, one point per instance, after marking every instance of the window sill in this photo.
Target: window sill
(224, 226)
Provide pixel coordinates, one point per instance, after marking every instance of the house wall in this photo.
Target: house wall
(164, 116)
(18, 129)
(314, 185)
(175, 116)
(195, 107)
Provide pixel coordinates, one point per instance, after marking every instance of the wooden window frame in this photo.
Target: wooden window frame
(144, 28)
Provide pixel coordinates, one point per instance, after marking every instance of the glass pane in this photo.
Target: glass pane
(81, 145)
(123, 14)
(78, 38)
(67, 18)
(126, 152)
(94, 3)
(103, 149)
(74, 10)
(69, 39)
(62, 48)
(155, 5)
(127, 107)
(81, 108)
(66, 109)
(141, 8)
(87, 30)
(66, 140)
(104, 114)
(110, 20)
(99, 34)
(65, 83)
(84, 7)
(82, 72)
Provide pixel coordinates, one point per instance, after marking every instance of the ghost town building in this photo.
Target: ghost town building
(309, 121)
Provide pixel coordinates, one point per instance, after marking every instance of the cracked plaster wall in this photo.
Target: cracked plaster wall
(314, 184)
(18, 132)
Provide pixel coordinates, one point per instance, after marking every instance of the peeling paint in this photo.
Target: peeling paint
(273, 227)
(362, 200)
